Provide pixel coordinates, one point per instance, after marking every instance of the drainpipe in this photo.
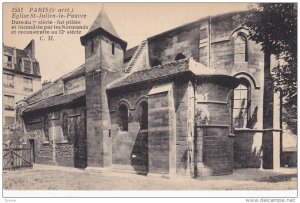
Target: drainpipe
(198, 141)
(53, 139)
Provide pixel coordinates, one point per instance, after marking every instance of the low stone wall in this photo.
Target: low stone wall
(63, 154)
(289, 159)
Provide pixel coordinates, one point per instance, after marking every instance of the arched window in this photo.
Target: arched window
(46, 127)
(156, 62)
(179, 56)
(123, 116)
(65, 126)
(241, 105)
(240, 49)
(143, 115)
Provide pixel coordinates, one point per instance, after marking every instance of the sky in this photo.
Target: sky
(134, 22)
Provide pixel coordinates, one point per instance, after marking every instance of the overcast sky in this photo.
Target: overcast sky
(133, 22)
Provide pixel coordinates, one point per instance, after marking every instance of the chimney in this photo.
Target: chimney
(30, 49)
(46, 83)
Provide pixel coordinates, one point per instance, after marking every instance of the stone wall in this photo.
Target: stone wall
(59, 149)
(129, 148)
(165, 48)
(214, 146)
(184, 107)
(248, 149)
(75, 85)
(161, 133)
(103, 62)
(169, 114)
(289, 159)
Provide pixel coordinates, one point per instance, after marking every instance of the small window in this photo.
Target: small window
(28, 86)
(143, 115)
(46, 127)
(9, 102)
(123, 112)
(241, 105)
(8, 80)
(156, 62)
(65, 126)
(27, 66)
(179, 56)
(113, 49)
(240, 49)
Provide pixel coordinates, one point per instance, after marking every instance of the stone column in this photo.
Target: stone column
(162, 131)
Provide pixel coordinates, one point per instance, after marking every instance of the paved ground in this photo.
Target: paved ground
(42, 177)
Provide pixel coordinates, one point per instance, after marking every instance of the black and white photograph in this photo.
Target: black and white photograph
(149, 99)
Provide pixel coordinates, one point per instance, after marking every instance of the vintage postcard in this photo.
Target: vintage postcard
(166, 99)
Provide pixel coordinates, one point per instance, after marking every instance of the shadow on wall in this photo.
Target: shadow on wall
(247, 149)
(253, 119)
(80, 144)
(139, 154)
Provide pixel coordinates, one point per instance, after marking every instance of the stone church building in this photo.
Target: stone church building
(191, 101)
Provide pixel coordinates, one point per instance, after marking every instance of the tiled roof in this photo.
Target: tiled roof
(78, 71)
(129, 53)
(55, 101)
(153, 73)
(72, 74)
(135, 56)
(102, 21)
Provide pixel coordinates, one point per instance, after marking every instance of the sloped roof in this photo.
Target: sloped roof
(55, 101)
(102, 21)
(129, 53)
(20, 54)
(153, 73)
(74, 73)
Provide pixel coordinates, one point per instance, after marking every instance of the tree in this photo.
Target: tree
(274, 26)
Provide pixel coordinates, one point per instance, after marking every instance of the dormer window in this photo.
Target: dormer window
(7, 61)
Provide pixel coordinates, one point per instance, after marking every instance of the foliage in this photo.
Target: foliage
(12, 134)
(274, 26)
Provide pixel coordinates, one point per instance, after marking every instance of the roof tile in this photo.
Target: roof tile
(55, 101)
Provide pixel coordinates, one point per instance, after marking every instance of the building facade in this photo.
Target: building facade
(190, 101)
(21, 77)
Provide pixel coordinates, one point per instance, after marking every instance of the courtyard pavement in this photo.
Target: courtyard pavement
(44, 177)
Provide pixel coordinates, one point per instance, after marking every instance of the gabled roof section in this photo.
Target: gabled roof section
(153, 73)
(55, 101)
(73, 74)
(168, 70)
(102, 21)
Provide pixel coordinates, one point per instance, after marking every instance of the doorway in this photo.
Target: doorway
(31, 142)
